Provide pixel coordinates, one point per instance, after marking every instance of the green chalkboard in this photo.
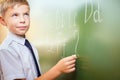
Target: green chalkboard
(88, 28)
(96, 41)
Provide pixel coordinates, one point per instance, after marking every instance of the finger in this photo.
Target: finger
(71, 66)
(69, 58)
(70, 62)
(71, 70)
(74, 56)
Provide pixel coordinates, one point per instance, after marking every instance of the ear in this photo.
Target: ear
(2, 21)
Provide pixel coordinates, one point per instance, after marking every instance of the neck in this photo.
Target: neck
(22, 36)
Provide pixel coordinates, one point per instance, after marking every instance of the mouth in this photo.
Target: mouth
(22, 27)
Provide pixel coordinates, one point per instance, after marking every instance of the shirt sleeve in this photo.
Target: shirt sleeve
(11, 65)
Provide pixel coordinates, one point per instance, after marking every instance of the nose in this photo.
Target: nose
(22, 19)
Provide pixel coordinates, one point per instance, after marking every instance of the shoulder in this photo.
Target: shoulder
(12, 41)
(7, 47)
(7, 52)
(5, 44)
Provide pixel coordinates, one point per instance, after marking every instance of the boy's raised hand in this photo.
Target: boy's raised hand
(66, 65)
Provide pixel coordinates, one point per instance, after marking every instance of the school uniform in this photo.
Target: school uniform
(16, 61)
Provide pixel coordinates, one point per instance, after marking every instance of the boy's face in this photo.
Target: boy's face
(17, 19)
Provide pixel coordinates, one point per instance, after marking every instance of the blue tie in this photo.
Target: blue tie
(27, 44)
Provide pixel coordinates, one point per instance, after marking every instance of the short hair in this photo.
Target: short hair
(5, 4)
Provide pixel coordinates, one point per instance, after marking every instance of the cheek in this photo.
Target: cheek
(28, 20)
(11, 22)
(11, 25)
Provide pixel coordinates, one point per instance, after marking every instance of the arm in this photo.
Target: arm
(65, 65)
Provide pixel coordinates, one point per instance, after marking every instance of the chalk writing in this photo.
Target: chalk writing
(67, 20)
(95, 14)
(76, 37)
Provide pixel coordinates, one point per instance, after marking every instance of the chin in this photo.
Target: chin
(21, 34)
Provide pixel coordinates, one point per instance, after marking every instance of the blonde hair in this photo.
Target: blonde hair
(5, 4)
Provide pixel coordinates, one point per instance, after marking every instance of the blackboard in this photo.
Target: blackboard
(96, 41)
(88, 28)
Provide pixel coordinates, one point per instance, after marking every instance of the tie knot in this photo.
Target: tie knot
(27, 44)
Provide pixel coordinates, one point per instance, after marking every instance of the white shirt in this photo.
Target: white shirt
(16, 60)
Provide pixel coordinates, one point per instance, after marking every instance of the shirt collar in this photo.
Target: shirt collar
(16, 38)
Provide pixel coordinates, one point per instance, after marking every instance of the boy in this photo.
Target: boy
(17, 60)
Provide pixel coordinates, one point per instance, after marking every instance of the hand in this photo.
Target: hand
(66, 65)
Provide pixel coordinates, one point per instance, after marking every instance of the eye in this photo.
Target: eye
(14, 15)
(27, 14)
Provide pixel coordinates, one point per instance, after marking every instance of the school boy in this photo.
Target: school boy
(18, 58)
